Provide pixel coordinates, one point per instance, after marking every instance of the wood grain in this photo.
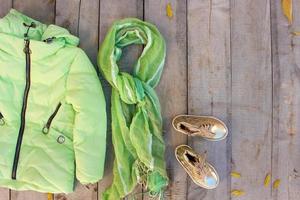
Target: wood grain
(209, 84)
(286, 115)
(82, 192)
(88, 30)
(67, 14)
(41, 10)
(27, 195)
(6, 5)
(172, 89)
(251, 96)
(4, 194)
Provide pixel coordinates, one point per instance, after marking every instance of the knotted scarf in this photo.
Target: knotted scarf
(136, 119)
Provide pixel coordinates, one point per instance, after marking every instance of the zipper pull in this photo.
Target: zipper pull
(2, 122)
(46, 128)
(32, 25)
(49, 40)
(26, 47)
(26, 37)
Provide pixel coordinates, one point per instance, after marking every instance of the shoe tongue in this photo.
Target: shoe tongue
(200, 165)
(201, 159)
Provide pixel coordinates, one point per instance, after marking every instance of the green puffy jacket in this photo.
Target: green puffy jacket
(53, 118)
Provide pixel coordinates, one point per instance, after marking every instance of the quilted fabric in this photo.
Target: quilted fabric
(64, 86)
(136, 119)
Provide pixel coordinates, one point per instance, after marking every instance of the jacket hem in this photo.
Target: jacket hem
(24, 186)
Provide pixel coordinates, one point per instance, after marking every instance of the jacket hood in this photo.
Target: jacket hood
(12, 24)
(45, 40)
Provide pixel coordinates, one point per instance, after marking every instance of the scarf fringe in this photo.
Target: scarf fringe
(142, 176)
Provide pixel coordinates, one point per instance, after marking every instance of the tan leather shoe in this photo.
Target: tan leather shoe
(200, 171)
(208, 127)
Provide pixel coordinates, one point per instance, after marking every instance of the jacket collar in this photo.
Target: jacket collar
(12, 32)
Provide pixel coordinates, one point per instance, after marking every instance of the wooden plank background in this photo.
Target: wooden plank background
(236, 60)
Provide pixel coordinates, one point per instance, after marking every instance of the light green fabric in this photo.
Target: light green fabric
(136, 118)
(60, 72)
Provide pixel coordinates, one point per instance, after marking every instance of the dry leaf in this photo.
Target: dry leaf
(296, 33)
(267, 180)
(237, 193)
(287, 9)
(50, 196)
(169, 10)
(235, 174)
(276, 183)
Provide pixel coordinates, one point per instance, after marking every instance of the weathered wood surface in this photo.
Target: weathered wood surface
(236, 60)
(251, 126)
(209, 86)
(286, 101)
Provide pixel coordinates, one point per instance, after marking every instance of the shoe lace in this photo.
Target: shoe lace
(203, 129)
(202, 166)
(199, 161)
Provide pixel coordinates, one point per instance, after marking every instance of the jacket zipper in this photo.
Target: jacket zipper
(48, 124)
(27, 52)
(2, 122)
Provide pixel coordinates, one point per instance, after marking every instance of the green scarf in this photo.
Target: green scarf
(136, 118)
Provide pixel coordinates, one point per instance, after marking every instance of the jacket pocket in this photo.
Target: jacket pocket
(2, 122)
(60, 138)
(49, 121)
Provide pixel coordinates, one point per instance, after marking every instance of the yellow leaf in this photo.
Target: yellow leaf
(287, 9)
(237, 193)
(296, 33)
(276, 184)
(235, 174)
(169, 10)
(50, 196)
(267, 180)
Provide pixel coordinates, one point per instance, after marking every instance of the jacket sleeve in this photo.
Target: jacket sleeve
(85, 93)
